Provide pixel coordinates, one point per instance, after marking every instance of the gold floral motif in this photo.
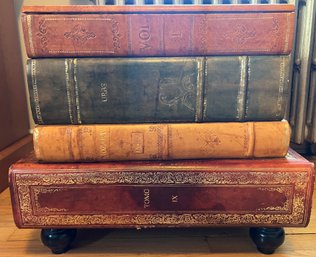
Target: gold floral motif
(50, 209)
(79, 34)
(210, 141)
(178, 89)
(136, 176)
(165, 219)
(241, 34)
(115, 34)
(42, 34)
(202, 28)
(276, 31)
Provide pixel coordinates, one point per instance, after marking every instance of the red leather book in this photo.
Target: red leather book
(254, 192)
(157, 30)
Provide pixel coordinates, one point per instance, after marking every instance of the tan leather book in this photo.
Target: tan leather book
(270, 192)
(77, 143)
(174, 30)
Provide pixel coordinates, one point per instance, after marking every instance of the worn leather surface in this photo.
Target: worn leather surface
(71, 143)
(165, 31)
(229, 192)
(138, 90)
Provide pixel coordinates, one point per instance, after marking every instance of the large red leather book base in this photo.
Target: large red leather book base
(264, 194)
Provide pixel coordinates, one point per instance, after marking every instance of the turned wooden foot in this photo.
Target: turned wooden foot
(267, 240)
(58, 240)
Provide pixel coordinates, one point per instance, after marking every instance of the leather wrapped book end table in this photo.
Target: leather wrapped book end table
(262, 194)
(195, 63)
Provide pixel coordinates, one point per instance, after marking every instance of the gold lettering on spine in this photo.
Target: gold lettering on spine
(35, 93)
(104, 92)
(68, 89)
(76, 92)
(103, 144)
(146, 192)
(200, 89)
(174, 198)
(30, 32)
(281, 85)
(242, 87)
(144, 36)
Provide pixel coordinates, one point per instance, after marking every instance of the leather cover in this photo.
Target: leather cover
(165, 89)
(254, 192)
(73, 143)
(157, 30)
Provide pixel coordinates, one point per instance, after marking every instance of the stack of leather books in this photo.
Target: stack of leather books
(160, 116)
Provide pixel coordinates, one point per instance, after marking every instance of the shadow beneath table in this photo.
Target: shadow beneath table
(163, 240)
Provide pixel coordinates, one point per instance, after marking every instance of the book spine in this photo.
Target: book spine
(143, 200)
(275, 196)
(74, 143)
(178, 89)
(157, 34)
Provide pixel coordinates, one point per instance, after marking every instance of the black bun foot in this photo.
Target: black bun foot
(267, 240)
(58, 240)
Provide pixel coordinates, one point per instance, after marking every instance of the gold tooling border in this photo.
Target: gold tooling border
(297, 216)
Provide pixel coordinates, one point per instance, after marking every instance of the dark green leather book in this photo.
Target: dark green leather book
(164, 89)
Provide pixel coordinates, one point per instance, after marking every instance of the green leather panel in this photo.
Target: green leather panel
(161, 89)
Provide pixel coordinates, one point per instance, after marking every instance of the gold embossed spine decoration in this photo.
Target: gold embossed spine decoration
(34, 188)
(193, 30)
(161, 141)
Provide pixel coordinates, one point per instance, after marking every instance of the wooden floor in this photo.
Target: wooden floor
(149, 242)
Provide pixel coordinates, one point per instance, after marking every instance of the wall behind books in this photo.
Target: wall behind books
(15, 140)
(18, 5)
(14, 123)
